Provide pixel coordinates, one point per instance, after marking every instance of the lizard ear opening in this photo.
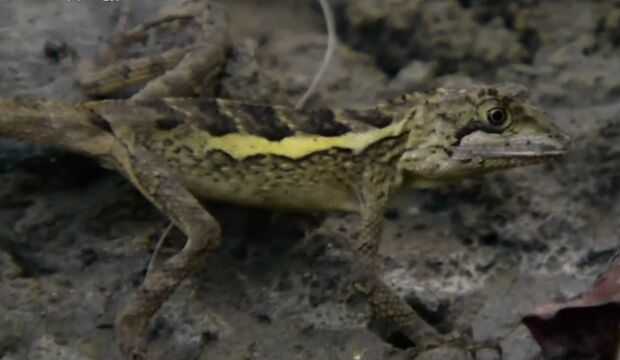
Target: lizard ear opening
(426, 164)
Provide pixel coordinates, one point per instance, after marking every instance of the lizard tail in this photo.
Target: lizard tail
(69, 126)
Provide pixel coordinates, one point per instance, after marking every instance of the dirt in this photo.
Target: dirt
(475, 256)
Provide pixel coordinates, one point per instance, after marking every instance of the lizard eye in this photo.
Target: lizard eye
(497, 116)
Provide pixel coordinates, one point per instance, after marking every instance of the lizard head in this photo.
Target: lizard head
(457, 133)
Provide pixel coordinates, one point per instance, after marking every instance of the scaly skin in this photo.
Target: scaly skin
(179, 150)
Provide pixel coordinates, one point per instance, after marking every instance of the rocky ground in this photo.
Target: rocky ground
(75, 239)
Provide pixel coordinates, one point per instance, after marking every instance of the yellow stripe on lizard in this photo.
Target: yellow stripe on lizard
(241, 146)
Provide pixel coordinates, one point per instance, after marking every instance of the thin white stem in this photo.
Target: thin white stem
(329, 53)
(160, 243)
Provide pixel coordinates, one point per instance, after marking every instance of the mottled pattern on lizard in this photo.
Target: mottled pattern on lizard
(213, 149)
(179, 150)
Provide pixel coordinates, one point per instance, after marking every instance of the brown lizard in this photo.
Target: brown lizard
(178, 150)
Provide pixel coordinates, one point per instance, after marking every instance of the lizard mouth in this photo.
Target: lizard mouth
(515, 151)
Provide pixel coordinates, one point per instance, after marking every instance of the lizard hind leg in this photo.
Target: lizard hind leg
(203, 232)
(171, 36)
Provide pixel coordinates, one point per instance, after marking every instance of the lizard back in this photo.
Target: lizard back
(260, 155)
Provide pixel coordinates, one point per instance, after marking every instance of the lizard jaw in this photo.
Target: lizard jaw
(525, 152)
(528, 147)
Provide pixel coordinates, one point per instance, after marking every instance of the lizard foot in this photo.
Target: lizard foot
(130, 339)
(132, 347)
(460, 347)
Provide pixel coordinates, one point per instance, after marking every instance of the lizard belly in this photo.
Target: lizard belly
(267, 181)
(276, 195)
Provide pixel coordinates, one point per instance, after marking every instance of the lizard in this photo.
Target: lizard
(177, 150)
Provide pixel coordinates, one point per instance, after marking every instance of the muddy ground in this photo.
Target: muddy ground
(75, 239)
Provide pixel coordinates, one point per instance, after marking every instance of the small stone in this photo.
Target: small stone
(444, 354)
(48, 348)
(413, 76)
(488, 354)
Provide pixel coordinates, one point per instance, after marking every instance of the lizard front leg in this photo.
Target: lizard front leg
(384, 301)
(157, 183)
